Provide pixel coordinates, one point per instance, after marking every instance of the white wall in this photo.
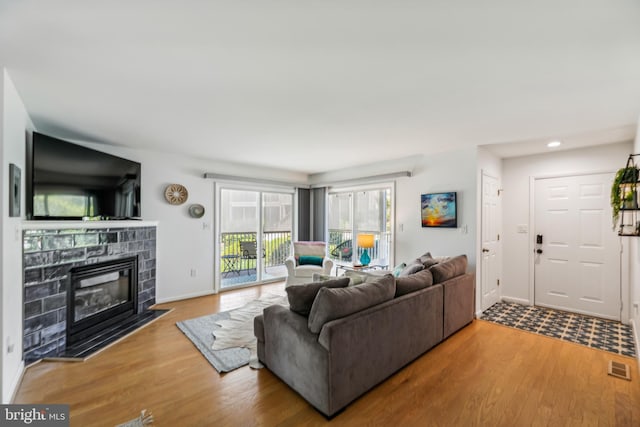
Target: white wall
(516, 203)
(16, 124)
(450, 171)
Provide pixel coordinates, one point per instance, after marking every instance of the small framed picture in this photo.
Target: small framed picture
(14, 190)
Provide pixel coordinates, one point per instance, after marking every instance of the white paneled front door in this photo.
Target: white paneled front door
(490, 241)
(577, 260)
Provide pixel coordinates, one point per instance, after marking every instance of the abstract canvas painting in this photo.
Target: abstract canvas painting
(439, 210)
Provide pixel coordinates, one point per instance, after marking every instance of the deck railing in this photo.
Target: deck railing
(276, 247)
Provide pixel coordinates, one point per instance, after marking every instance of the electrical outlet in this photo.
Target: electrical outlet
(10, 345)
(193, 272)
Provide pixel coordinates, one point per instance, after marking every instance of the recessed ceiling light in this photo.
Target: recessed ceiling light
(554, 144)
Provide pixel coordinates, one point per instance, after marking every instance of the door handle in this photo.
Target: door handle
(538, 251)
(485, 250)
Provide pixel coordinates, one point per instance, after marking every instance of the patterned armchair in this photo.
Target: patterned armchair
(307, 258)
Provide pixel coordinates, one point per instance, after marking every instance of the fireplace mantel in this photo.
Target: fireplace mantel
(64, 225)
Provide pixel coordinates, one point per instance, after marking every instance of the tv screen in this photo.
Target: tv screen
(439, 210)
(68, 181)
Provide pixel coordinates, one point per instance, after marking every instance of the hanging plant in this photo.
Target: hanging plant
(626, 175)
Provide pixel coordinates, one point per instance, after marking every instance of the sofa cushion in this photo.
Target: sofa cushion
(420, 280)
(306, 271)
(449, 269)
(411, 268)
(301, 296)
(332, 303)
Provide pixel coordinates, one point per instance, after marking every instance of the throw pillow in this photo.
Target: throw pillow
(420, 280)
(449, 269)
(412, 268)
(310, 260)
(301, 296)
(335, 303)
(427, 256)
(398, 269)
(427, 260)
(355, 278)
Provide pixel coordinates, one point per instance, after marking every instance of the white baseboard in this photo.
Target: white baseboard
(515, 300)
(183, 297)
(17, 379)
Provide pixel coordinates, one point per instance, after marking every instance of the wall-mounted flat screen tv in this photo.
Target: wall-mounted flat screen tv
(69, 181)
(439, 210)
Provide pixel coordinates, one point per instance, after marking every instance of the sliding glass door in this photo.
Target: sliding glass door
(365, 212)
(254, 235)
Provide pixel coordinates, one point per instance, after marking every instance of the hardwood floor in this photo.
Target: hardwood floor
(485, 375)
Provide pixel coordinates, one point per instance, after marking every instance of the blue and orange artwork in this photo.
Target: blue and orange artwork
(439, 210)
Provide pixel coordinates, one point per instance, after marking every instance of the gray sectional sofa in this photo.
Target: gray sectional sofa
(336, 342)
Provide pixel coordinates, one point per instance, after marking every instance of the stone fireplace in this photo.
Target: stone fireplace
(79, 281)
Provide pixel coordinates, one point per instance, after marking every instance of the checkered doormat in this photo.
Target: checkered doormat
(597, 333)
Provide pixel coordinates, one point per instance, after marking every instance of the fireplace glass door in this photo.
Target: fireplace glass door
(99, 293)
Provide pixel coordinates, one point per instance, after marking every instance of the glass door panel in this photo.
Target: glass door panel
(372, 211)
(351, 213)
(277, 226)
(341, 226)
(254, 236)
(239, 261)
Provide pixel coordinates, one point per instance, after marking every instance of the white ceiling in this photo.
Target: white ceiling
(312, 86)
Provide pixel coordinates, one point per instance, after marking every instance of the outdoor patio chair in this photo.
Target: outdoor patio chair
(248, 252)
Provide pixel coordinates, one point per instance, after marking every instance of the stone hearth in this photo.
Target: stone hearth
(50, 254)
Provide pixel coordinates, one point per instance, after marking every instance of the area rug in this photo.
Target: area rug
(144, 419)
(226, 339)
(593, 332)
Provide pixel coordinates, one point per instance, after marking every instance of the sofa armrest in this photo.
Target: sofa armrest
(258, 331)
(293, 353)
(459, 298)
(290, 263)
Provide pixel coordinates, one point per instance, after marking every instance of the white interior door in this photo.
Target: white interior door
(490, 241)
(577, 264)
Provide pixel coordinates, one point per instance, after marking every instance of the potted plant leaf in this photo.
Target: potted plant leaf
(623, 192)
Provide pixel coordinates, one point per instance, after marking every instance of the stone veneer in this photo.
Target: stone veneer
(50, 254)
